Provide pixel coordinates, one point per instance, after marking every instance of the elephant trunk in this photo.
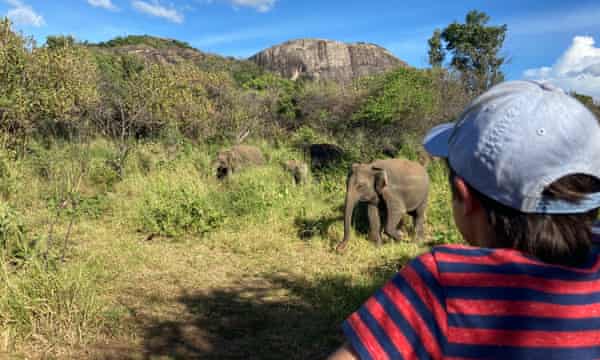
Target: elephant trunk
(351, 199)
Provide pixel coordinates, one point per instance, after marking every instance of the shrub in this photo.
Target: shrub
(103, 175)
(252, 195)
(174, 209)
(257, 194)
(404, 94)
(14, 245)
(92, 206)
(305, 136)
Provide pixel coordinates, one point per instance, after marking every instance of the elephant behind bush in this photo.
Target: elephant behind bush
(236, 158)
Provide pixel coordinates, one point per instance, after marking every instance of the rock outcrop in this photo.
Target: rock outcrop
(325, 59)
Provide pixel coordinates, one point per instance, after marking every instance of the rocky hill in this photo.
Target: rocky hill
(326, 59)
(305, 58)
(160, 50)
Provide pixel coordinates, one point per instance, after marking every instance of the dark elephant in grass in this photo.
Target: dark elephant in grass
(325, 155)
(237, 157)
(400, 185)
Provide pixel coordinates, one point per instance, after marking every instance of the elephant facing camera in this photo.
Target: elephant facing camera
(390, 188)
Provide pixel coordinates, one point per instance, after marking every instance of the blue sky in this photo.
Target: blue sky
(552, 39)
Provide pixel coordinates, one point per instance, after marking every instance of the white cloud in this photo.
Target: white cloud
(154, 8)
(578, 68)
(23, 14)
(260, 5)
(105, 4)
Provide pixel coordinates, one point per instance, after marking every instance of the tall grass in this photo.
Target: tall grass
(169, 190)
(60, 305)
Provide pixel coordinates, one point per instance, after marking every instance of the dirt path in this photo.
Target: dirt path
(257, 295)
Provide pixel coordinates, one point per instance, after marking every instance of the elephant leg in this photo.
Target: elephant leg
(395, 212)
(419, 221)
(374, 224)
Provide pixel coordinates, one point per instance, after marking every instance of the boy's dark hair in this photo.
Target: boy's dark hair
(556, 239)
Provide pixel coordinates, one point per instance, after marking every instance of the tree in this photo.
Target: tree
(436, 49)
(59, 41)
(61, 88)
(14, 56)
(475, 48)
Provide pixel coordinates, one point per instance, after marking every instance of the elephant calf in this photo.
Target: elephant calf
(402, 185)
(236, 158)
(298, 169)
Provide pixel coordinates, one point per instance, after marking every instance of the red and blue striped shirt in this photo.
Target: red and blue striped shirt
(461, 302)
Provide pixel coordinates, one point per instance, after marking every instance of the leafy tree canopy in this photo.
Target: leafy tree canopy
(475, 47)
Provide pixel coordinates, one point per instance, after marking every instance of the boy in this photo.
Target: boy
(524, 169)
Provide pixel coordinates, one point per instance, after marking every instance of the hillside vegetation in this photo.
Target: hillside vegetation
(117, 241)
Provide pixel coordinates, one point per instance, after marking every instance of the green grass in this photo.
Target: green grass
(169, 262)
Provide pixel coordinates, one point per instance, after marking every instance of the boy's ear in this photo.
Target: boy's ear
(466, 196)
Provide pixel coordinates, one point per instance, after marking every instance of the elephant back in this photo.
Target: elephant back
(407, 178)
(249, 154)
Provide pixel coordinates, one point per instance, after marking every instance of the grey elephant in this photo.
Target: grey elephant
(400, 186)
(298, 169)
(236, 158)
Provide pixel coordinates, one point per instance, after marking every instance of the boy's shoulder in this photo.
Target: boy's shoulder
(460, 250)
(472, 258)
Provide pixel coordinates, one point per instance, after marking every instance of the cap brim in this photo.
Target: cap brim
(437, 141)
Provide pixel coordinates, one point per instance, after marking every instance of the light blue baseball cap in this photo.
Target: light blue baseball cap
(517, 138)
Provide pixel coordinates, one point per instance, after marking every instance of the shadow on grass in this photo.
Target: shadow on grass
(309, 227)
(275, 317)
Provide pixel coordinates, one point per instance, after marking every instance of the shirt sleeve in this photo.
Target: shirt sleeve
(405, 319)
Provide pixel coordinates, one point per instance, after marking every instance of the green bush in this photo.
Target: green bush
(93, 206)
(399, 97)
(174, 209)
(14, 245)
(305, 136)
(253, 193)
(103, 175)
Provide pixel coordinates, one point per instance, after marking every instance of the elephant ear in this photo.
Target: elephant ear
(381, 179)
